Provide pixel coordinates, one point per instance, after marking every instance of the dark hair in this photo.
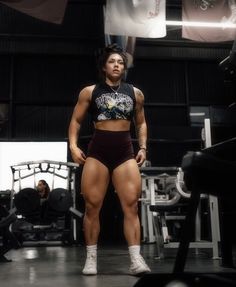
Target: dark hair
(47, 188)
(105, 54)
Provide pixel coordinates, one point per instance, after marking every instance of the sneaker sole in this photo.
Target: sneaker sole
(89, 274)
(140, 273)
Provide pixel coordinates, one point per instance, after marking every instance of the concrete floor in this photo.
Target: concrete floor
(61, 266)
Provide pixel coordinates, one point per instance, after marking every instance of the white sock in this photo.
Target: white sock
(91, 250)
(134, 250)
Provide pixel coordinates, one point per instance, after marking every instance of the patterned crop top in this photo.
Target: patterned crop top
(108, 104)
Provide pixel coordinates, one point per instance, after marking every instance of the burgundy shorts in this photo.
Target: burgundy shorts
(111, 148)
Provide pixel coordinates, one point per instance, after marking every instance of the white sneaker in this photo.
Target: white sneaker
(138, 266)
(90, 267)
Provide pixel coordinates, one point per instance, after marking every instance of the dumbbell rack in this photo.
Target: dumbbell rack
(63, 170)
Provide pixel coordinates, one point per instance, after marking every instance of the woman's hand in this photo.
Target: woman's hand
(141, 156)
(78, 155)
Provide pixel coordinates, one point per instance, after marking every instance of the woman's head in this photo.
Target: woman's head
(106, 55)
(43, 188)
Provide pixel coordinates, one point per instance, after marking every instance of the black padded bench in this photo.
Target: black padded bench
(210, 171)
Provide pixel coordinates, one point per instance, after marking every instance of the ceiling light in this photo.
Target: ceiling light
(202, 24)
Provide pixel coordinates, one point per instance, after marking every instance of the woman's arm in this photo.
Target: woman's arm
(141, 126)
(78, 115)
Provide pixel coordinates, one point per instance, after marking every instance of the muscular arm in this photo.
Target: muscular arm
(141, 126)
(78, 115)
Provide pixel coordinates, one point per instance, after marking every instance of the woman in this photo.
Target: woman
(113, 104)
(43, 189)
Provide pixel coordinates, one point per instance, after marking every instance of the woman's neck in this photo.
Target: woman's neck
(112, 83)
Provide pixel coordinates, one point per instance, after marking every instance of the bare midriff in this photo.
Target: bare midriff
(113, 125)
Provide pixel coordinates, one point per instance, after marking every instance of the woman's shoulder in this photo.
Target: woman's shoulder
(137, 91)
(139, 96)
(131, 86)
(88, 89)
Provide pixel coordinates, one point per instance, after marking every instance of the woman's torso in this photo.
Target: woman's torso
(112, 109)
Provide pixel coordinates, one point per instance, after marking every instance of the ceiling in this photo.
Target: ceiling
(82, 32)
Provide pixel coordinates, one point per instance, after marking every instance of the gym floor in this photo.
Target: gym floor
(56, 265)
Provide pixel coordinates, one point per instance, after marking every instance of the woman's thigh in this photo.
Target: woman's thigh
(94, 181)
(126, 179)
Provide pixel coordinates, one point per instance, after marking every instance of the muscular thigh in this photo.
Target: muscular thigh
(127, 182)
(94, 181)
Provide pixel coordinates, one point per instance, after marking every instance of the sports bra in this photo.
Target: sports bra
(110, 104)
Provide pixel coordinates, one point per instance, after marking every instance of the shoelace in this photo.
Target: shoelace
(140, 260)
(91, 261)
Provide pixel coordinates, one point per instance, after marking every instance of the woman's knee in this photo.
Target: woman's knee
(130, 209)
(92, 209)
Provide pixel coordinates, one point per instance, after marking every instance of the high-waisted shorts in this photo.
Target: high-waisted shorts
(112, 148)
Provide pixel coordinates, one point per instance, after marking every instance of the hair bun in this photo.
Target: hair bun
(113, 48)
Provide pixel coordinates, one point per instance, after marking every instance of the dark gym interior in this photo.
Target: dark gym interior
(43, 66)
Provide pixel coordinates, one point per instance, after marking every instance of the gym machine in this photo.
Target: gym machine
(158, 187)
(8, 239)
(61, 213)
(169, 203)
(203, 173)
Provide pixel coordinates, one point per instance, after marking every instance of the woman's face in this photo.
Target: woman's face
(114, 67)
